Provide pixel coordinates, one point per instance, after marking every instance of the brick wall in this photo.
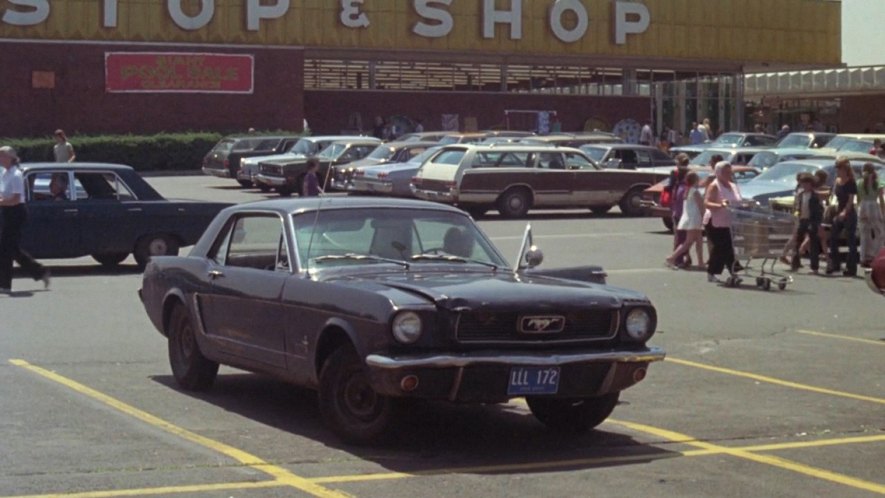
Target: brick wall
(79, 103)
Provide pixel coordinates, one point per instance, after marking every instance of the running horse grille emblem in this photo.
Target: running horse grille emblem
(541, 324)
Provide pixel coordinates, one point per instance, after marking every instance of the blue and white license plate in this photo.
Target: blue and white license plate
(533, 380)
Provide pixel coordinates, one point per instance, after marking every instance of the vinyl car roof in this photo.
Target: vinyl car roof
(76, 166)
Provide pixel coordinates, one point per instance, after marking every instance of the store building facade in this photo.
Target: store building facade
(121, 66)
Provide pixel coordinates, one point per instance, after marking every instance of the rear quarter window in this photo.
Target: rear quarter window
(450, 157)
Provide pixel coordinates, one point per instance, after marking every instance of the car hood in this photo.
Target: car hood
(487, 291)
(762, 191)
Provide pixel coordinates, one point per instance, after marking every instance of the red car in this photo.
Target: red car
(876, 274)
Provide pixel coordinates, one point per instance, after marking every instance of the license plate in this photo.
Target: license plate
(533, 380)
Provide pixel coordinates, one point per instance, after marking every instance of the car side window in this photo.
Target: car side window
(48, 186)
(627, 157)
(643, 158)
(577, 161)
(548, 160)
(101, 186)
(253, 241)
(660, 156)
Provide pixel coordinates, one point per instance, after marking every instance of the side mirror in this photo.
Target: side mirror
(534, 257)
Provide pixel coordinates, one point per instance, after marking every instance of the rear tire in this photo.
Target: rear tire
(154, 245)
(245, 183)
(264, 188)
(574, 415)
(348, 404)
(192, 370)
(514, 203)
(631, 204)
(111, 259)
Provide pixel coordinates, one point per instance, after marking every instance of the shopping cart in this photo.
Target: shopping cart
(759, 233)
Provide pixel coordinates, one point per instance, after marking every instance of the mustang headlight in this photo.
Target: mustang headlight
(638, 324)
(407, 327)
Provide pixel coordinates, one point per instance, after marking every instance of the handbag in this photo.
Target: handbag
(831, 211)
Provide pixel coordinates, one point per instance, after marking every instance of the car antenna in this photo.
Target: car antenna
(316, 219)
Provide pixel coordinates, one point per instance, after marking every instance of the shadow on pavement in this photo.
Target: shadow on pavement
(85, 270)
(432, 436)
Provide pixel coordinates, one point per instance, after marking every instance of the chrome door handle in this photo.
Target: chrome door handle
(213, 274)
(72, 211)
(134, 210)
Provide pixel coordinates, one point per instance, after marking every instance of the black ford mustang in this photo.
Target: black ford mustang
(373, 300)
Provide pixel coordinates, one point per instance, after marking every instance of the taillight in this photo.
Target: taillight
(416, 181)
(665, 198)
(382, 175)
(226, 163)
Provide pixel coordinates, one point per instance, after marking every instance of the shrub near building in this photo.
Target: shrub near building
(161, 152)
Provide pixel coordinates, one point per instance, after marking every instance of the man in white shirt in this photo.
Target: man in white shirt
(12, 206)
(646, 137)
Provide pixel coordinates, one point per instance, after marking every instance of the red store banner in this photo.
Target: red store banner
(178, 72)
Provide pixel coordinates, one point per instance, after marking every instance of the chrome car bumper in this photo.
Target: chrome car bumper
(370, 186)
(220, 173)
(525, 359)
(868, 276)
(434, 195)
(273, 181)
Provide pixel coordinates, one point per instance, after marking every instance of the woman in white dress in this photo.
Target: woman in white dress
(692, 222)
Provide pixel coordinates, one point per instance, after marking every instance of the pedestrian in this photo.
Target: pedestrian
(791, 248)
(757, 128)
(646, 137)
(677, 190)
(721, 194)
(785, 130)
(379, 129)
(881, 153)
(871, 211)
(810, 213)
(708, 130)
(823, 191)
(697, 135)
(63, 150)
(691, 222)
(310, 187)
(672, 138)
(845, 191)
(419, 126)
(877, 145)
(14, 213)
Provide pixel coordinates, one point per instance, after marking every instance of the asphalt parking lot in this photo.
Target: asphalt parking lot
(762, 394)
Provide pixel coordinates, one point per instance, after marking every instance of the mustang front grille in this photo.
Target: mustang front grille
(543, 326)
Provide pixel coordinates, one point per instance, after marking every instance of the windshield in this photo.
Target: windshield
(382, 153)
(332, 151)
(706, 157)
(424, 156)
(728, 139)
(785, 172)
(857, 146)
(763, 160)
(595, 153)
(794, 140)
(339, 237)
(838, 142)
(223, 146)
(304, 147)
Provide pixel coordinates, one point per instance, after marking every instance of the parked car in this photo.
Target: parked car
(768, 158)
(840, 140)
(106, 211)
(780, 179)
(656, 200)
(286, 176)
(573, 139)
(392, 179)
(303, 148)
(736, 156)
(478, 136)
(627, 156)
(224, 159)
(386, 153)
(373, 301)
(875, 274)
(805, 140)
(516, 178)
(423, 136)
(742, 139)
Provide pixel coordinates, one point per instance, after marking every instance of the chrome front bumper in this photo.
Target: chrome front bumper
(273, 181)
(220, 173)
(525, 359)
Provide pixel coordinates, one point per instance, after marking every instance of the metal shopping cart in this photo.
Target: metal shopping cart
(759, 233)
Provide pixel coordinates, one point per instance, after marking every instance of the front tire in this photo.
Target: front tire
(348, 404)
(245, 183)
(668, 223)
(576, 415)
(514, 203)
(600, 210)
(631, 204)
(192, 370)
(154, 245)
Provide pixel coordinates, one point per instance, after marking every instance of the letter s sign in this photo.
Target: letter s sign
(39, 12)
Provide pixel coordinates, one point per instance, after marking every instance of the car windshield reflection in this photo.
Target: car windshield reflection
(390, 236)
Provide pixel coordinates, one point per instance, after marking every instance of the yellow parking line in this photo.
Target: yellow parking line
(281, 475)
(813, 444)
(167, 490)
(772, 380)
(773, 461)
(842, 337)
